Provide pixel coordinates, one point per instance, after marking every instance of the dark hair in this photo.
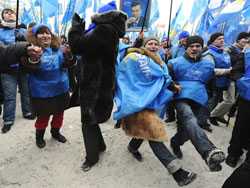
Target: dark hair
(42, 30)
(31, 24)
(135, 3)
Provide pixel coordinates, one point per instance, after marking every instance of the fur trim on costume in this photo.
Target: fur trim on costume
(56, 41)
(156, 58)
(145, 125)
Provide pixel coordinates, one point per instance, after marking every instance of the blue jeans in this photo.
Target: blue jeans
(188, 127)
(204, 112)
(161, 152)
(9, 83)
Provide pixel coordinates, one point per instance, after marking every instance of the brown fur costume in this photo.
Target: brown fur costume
(145, 124)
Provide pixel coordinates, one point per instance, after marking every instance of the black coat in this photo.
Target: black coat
(98, 50)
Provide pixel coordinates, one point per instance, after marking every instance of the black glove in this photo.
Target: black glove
(19, 36)
(77, 21)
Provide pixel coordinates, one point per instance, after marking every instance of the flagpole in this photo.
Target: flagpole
(169, 20)
(41, 12)
(145, 15)
(223, 27)
(17, 11)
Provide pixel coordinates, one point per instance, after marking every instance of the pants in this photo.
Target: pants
(171, 110)
(188, 128)
(42, 122)
(9, 84)
(161, 152)
(241, 130)
(224, 107)
(94, 142)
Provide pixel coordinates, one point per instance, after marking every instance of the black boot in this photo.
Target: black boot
(40, 142)
(57, 135)
(183, 177)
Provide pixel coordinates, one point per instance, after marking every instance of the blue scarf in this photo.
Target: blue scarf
(216, 49)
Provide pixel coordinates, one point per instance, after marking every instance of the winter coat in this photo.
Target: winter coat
(12, 54)
(98, 49)
(44, 106)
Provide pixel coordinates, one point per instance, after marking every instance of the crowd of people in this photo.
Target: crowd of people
(189, 83)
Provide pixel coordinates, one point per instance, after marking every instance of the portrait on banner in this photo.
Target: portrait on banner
(136, 14)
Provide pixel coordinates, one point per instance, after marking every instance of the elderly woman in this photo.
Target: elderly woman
(49, 85)
(143, 87)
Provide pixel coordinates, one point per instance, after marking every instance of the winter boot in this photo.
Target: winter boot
(183, 177)
(213, 159)
(57, 135)
(40, 142)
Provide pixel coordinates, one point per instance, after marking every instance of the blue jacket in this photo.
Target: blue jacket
(222, 60)
(192, 76)
(243, 84)
(181, 51)
(51, 79)
(141, 83)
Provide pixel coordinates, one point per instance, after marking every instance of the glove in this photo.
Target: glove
(19, 36)
(77, 21)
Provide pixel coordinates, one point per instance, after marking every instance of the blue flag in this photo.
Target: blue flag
(27, 16)
(34, 11)
(49, 7)
(154, 14)
(199, 7)
(69, 12)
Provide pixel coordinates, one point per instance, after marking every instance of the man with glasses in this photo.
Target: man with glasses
(192, 73)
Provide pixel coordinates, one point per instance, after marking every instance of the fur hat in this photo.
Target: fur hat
(194, 39)
(36, 27)
(5, 10)
(243, 35)
(184, 34)
(148, 38)
(110, 6)
(214, 36)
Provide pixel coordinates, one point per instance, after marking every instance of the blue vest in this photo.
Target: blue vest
(140, 84)
(8, 36)
(222, 60)
(161, 53)
(243, 84)
(51, 79)
(192, 77)
(180, 52)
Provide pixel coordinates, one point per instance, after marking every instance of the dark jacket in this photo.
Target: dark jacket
(98, 49)
(11, 54)
(238, 70)
(50, 105)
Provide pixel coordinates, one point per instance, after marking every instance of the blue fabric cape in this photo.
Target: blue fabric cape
(141, 83)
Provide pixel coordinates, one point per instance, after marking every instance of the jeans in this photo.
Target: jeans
(188, 127)
(9, 83)
(161, 152)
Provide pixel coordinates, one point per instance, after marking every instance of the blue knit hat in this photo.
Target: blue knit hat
(169, 39)
(184, 34)
(36, 27)
(110, 6)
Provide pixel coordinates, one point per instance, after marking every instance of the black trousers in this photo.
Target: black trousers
(94, 142)
(241, 130)
(170, 110)
(240, 178)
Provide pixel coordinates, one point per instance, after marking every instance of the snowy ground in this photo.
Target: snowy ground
(22, 164)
